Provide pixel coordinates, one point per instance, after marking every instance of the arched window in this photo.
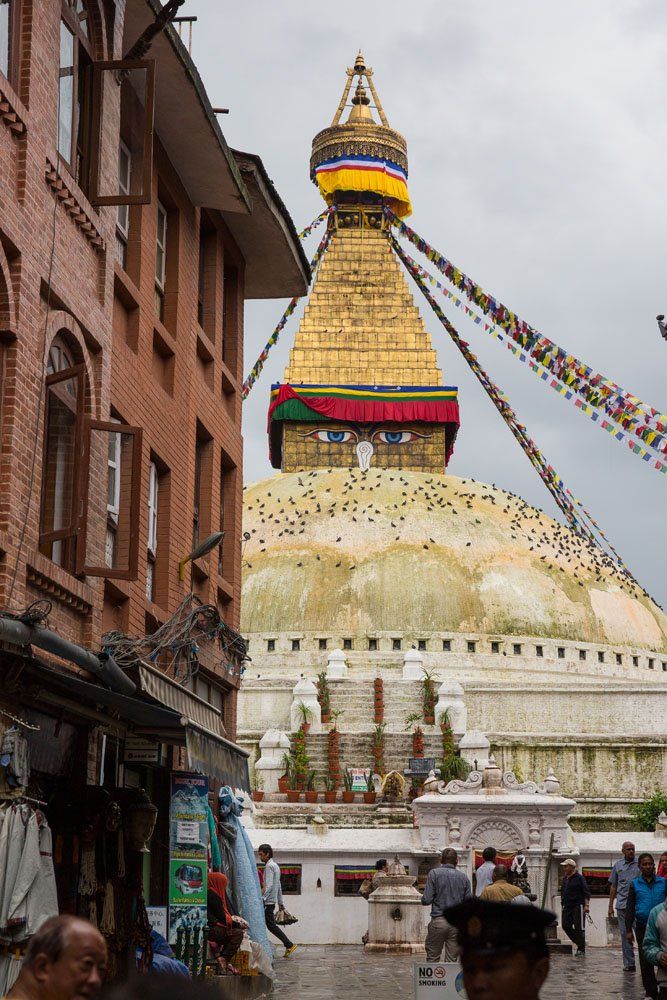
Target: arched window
(63, 426)
(75, 84)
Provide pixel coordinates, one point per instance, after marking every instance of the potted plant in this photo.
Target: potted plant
(329, 790)
(413, 723)
(300, 759)
(333, 748)
(348, 794)
(324, 695)
(378, 746)
(257, 786)
(306, 717)
(311, 791)
(370, 794)
(293, 792)
(378, 699)
(283, 781)
(428, 698)
(453, 767)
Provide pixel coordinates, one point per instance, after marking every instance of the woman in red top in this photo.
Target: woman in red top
(225, 931)
(662, 865)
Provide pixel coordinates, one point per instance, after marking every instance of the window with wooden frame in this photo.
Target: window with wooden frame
(228, 473)
(75, 89)
(63, 431)
(290, 878)
(153, 494)
(133, 81)
(348, 879)
(123, 211)
(160, 259)
(118, 445)
(230, 315)
(9, 38)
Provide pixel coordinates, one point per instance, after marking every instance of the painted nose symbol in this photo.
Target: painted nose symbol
(364, 454)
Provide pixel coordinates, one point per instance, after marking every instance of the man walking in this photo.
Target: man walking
(484, 874)
(445, 887)
(622, 874)
(655, 946)
(574, 896)
(273, 896)
(646, 892)
(500, 891)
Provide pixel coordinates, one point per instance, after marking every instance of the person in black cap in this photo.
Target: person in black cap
(503, 949)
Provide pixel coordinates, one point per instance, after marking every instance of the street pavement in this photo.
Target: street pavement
(348, 973)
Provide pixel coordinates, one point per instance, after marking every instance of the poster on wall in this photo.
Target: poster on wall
(188, 861)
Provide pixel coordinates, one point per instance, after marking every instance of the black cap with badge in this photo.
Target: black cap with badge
(487, 928)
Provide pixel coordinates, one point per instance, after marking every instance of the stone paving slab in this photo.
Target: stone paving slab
(347, 972)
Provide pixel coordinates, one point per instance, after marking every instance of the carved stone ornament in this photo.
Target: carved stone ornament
(512, 784)
(472, 784)
(504, 836)
(454, 830)
(534, 832)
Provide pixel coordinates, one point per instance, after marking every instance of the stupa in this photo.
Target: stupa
(364, 542)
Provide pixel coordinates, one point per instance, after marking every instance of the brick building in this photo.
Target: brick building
(130, 237)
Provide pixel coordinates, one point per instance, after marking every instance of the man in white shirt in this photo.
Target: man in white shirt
(273, 896)
(484, 874)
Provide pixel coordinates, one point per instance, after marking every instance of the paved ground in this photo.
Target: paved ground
(328, 973)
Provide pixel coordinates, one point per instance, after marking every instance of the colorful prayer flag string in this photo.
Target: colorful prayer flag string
(564, 499)
(542, 373)
(634, 415)
(256, 369)
(305, 233)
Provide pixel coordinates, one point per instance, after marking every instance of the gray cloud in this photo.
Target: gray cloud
(537, 141)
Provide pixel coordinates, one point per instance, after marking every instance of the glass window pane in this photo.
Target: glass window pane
(4, 37)
(59, 456)
(66, 94)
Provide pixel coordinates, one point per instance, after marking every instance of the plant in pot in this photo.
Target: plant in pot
(329, 790)
(348, 794)
(378, 746)
(301, 761)
(293, 792)
(283, 781)
(324, 695)
(370, 794)
(311, 791)
(453, 767)
(412, 722)
(333, 748)
(306, 716)
(257, 786)
(378, 699)
(428, 698)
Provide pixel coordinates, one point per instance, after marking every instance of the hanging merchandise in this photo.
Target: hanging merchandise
(256, 369)
(248, 893)
(579, 521)
(14, 760)
(634, 415)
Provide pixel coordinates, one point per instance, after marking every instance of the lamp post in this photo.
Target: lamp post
(202, 549)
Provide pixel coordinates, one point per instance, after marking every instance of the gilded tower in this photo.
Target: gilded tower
(362, 386)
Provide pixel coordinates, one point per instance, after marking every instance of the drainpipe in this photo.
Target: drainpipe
(103, 666)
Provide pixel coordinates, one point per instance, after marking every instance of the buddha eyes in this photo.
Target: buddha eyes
(333, 437)
(395, 437)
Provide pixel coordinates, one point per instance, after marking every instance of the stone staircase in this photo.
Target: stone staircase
(355, 699)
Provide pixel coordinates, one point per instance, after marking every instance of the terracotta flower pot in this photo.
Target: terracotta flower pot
(349, 797)
(326, 717)
(429, 719)
(282, 785)
(305, 728)
(330, 797)
(311, 795)
(369, 798)
(293, 795)
(257, 796)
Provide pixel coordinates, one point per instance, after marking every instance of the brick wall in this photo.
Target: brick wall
(173, 378)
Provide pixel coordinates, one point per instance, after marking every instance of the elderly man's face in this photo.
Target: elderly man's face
(79, 972)
(499, 977)
(628, 851)
(570, 870)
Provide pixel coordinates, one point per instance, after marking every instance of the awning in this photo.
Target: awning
(180, 719)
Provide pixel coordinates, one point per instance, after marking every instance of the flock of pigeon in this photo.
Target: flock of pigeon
(295, 498)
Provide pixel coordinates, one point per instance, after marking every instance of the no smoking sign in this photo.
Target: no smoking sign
(443, 980)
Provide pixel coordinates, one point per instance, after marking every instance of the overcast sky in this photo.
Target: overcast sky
(536, 138)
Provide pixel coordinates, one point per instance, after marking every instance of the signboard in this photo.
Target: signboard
(421, 765)
(441, 980)
(136, 751)
(157, 918)
(188, 868)
(359, 778)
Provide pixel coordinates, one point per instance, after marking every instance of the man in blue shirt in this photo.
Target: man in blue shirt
(445, 887)
(622, 874)
(646, 892)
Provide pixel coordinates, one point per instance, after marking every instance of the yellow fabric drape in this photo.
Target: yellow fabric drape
(348, 179)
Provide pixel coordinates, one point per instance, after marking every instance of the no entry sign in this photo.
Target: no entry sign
(441, 980)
